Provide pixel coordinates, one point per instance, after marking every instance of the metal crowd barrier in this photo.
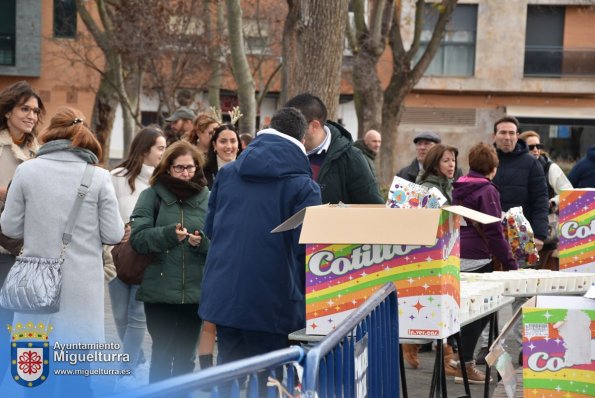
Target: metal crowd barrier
(363, 352)
(339, 366)
(234, 376)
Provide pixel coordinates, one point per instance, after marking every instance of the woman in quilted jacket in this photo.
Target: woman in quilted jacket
(171, 284)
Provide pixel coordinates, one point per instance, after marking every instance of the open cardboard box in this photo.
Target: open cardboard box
(558, 346)
(351, 250)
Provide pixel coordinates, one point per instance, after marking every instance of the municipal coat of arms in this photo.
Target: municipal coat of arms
(30, 353)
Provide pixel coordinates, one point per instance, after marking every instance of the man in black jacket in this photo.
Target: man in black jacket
(521, 182)
(520, 177)
(339, 169)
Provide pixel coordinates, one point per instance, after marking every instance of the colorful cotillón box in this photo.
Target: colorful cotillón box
(352, 250)
(577, 230)
(559, 347)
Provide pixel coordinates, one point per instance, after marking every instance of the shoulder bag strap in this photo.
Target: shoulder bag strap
(82, 191)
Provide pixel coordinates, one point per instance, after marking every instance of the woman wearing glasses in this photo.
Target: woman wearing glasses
(171, 285)
(556, 182)
(20, 113)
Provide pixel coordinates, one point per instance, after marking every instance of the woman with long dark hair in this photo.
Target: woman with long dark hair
(21, 111)
(224, 148)
(130, 177)
(171, 284)
(440, 165)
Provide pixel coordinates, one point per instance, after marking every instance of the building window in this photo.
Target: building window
(256, 35)
(544, 41)
(8, 33)
(456, 55)
(65, 19)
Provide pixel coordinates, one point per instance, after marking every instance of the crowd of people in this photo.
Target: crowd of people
(201, 199)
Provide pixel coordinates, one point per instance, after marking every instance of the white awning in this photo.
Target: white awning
(554, 112)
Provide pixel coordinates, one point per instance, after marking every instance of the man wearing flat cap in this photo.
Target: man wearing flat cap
(423, 142)
(180, 123)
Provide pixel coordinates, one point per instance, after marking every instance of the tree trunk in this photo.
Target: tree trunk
(104, 113)
(367, 93)
(216, 59)
(313, 40)
(241, 68)
(392, 110)
(289, 50)
(403, 79)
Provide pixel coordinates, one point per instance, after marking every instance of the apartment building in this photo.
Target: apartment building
(533, 59)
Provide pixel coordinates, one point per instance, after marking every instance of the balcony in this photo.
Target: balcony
(555, 61)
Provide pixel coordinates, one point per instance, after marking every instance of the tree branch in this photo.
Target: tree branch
(395, 37)
(446, 9)
(92, 27)
(262, 94)
(417, 29)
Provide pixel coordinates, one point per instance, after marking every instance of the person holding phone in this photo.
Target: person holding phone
(172, 282)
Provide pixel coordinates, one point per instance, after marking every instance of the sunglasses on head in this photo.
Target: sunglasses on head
(532, 147)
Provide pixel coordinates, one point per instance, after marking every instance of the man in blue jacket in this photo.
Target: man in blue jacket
(337, 166)
(253, 287)
(582, 174)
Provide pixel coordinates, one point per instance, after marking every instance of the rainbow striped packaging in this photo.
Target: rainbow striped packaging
(559, 347)
(577, 230)
(352, 250)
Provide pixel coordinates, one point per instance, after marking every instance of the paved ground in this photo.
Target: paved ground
(418, 380)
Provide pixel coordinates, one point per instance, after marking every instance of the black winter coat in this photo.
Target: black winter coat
(521, 182)
(345, 175)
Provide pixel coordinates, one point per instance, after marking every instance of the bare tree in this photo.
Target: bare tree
(380, 109)
(216, 52)
(121, 75)
(367, 38)
(313, 42)
(262, 34)
(180, 58)
(240, 67)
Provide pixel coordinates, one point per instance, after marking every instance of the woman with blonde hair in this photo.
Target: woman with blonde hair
(200, 135)
(38, 205)
(556, 182)
(171, 284)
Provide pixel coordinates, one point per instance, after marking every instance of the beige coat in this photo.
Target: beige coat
(11, 155)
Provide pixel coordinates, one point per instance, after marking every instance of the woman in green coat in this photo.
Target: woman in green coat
(167, 221)
(440, 165)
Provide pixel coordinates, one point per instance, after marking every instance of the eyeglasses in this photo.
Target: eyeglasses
(26, 109)
(532, 147)
(181, 168)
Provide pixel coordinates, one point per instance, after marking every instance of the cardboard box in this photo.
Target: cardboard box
(559, 347)
(352, 250)
(577, 230)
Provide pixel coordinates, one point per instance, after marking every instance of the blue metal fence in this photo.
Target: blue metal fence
(363, 352)
(247, 373)
(336, 367)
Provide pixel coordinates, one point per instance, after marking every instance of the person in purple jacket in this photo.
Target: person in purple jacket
(480, 242)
